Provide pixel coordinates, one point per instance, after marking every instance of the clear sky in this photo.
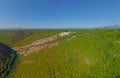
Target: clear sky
(58, 13)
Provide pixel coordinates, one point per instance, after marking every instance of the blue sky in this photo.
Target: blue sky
(58, 13)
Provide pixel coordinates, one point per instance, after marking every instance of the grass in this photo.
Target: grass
(6, 36)
(39, 34)
(84, 54)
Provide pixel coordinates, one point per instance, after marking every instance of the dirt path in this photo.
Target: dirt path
(40, 44)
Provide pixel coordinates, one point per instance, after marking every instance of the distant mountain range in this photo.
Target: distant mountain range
(20, 28)
(13, 28)
(112, 26)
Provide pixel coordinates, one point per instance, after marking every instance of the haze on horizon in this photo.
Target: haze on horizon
(58, 13)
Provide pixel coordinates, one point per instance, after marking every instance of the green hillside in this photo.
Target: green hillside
(23, 37)
(93, 53)
(7, 60)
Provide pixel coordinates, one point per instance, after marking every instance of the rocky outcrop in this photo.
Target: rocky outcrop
(40, 44)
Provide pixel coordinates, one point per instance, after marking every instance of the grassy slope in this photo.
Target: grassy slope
(92, 53)
(6, 36)
(38, 34)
